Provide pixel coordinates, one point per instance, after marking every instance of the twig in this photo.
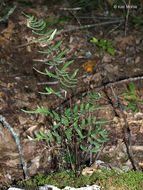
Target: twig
(119, 82)
(127, 16)
(102, 87)
(41, 60)
(77, 28)
(46, 83)
(115, 28)
(17, 140)
(72, 13)
(23, 45)
(127, 133)
(70, 9)
(72, 166)
(90, 26)
(99, 17)
(9, 13)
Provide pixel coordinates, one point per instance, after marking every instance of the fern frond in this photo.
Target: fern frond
(51, 74)
(39, 25)
(60, 72)
(66, 65)
(36, 25)
(58, 60)
(74, 74)
(52, 35)
(66, 85)
(39, 71)
(61, 54)
(41, 109)
(51, 63)
(51, 91)
(70, 81)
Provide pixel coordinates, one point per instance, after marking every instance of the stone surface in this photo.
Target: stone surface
(51, 187)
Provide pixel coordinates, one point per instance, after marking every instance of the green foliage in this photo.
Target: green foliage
(137, 22)
(71, 126)
(106, 179)
(70, 158)
(75, 123)
(38, 26)
(132, 98)
(6, 9)
(129, 180)
(105, 45)
(92, 98)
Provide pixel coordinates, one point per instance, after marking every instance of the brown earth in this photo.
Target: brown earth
(19, 86)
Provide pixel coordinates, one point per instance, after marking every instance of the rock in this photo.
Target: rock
(49, 187)
(52, 187)
(93, 187)
(129, 60)
(13, 188)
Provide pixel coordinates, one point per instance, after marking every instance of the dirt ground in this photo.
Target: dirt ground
(19, 86)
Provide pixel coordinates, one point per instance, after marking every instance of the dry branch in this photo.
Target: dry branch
(4, 18)
(17, 140)
(127, 133)
(77, 28)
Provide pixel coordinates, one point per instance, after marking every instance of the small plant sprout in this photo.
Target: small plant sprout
(105, 45)
(131, 98)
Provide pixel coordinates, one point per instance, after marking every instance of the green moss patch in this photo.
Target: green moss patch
(132, 180)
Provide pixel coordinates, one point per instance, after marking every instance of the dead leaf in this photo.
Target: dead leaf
(1, 94)
(9, 30)
(28, 23)
(88, 66)
(28, 48)
(137, 60)
(10, 84)
(123, 41)
(90, 170)
(107, 58)
(141, 129)
(141, 164)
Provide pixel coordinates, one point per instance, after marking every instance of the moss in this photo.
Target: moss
(132, 180)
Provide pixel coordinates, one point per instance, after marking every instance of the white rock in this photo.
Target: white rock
(46, 187)
(93, 187)
(13, 188)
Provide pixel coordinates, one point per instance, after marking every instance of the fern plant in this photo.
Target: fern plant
(61, 74)
(105, 45)
(73, 125)
(131, 98)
